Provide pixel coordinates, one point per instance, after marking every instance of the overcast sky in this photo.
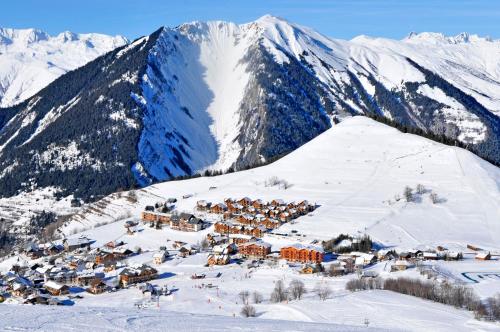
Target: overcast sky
(340, 19)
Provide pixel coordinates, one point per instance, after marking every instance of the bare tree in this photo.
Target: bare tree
(257, 297)
(408, 194)
(204, 244)
(244, 295)
(132, 196)
(323, 291)
(279, 293)
(434, 198)
(296, 289)
(248, 311)
(420, 189)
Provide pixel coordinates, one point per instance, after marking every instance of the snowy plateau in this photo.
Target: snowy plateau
(84, 162)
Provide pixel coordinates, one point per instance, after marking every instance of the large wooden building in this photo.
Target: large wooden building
(153, 216)
(302, 253)
(186, 222)
(134, 275)
(256, 249)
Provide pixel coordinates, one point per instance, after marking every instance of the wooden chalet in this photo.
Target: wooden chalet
(401, 265)
(153, 216)
(219, 208)
(77, 243)
(215, 259)
(160, 257)
(203, 205)
(97, 286)
(241, 238)
(311, 268)
(135, 275)
(55, 288)
(84, 278)
(277, 202)
(483, 256)
(258, 204)
(245, 201)
(186, 222)
(105, 258)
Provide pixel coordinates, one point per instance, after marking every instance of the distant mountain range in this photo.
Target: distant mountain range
(208, 96)
(31, 59)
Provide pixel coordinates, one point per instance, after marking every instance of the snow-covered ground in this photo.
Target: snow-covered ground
(354, 172)
(22, 318)
(196, 307)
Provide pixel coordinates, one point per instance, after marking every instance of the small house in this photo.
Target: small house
(430, 256)
(203, 205)
(214, 259)
(97, 286)
(219, 208)
(159, 257)
(310, 269)
(483, 256)
(245, 201)
(401, 265)
(55, 288)
(77, 243)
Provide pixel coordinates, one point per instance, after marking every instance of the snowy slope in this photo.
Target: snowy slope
(30, 59)
(353, 171)
(216, 95)
(203, 85)
(194, 86)
(38, 318)
(470, 63)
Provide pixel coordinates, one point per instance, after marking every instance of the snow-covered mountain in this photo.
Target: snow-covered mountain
(219, 96)
(30, 59)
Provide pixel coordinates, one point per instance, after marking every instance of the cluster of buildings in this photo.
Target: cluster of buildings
(254, 217)
(245, 223)
(185, 222)
(45, 272)
(257, 212)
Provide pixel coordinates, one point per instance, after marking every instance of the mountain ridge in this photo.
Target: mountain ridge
(210, 96)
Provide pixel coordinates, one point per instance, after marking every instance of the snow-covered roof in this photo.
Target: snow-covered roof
(54, 285)
(78, 241)
(482, 255)
(301, 246)
(257, 243)
(160, 254)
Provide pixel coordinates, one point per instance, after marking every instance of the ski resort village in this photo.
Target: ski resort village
(310, 237)
(260, 176)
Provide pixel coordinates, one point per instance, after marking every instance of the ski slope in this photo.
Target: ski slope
(353, 172)
(38, 318)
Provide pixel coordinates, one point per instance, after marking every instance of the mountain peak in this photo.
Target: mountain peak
(440, 38)
(24, 36)
(268, 18)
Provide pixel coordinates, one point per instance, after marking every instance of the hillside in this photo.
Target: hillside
(353, 172)
(216, 96)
